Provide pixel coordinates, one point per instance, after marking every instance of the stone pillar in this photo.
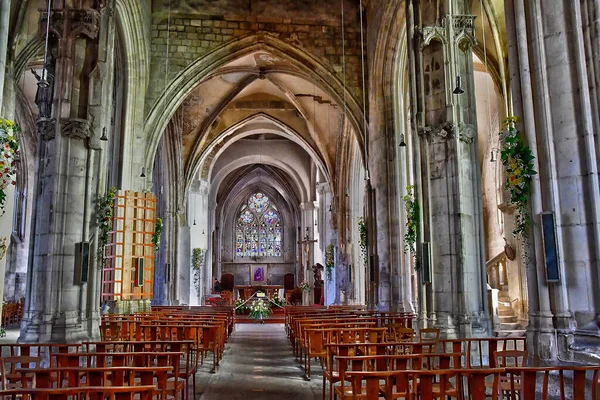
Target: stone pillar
(198, 222)
(451, 189)
(307, 231)
(60, 308)
(4, 29)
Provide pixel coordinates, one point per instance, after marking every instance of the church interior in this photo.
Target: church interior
(316, 199)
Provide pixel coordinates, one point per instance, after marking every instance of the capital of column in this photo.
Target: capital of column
(76, 128)
(308, 206)
(83, 21)
(46, 128)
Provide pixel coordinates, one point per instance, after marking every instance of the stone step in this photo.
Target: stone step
(504, 288)
(510, 333)
(509, 326)
(503, 293)
(504, 299)
(506, 311)
(504, 319)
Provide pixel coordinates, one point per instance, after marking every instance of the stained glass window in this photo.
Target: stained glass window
(258, 231)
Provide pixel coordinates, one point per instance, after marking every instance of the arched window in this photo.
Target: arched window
(258, 228)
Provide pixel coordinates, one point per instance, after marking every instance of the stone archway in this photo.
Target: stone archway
(304, 65)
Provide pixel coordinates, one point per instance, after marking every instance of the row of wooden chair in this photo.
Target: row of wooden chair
(161, 349)
(12, 313)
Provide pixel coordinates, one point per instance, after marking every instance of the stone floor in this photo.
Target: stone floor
(259, 364)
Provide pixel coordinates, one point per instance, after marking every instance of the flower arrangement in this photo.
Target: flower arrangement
(9, 152)
(104, 216)
(362, 231)
(197, 261)
(305, 286)
(412, 220)
(517, 160)
(259, 309)
(158, 228)
(240, 306)
(278, 301)
(329, 263)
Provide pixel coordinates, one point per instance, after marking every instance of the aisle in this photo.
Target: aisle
(259, 364)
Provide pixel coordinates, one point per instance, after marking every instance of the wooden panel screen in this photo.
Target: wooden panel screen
(130, 249)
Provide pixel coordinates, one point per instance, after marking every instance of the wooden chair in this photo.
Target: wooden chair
(429, 335)
(11, 379)
(90, 392)
(399, 333)
(584, 382)
(509, 386)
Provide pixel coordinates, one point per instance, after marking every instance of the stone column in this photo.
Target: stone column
(60, 307)
(307, 231)
(198, 222)
(451, 190)
(4, 29)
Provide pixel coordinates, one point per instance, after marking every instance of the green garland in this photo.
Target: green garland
(517, 160)
(412, 220)
(158, 228)
(197, 259)
(362, 231)
(9, 151)
(329, 262)
(104, 217)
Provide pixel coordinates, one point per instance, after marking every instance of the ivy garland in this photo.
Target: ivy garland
(517, 160)
(104, 215)
(362, 231)
(158, 228)
(197, 260)
(9, 152)
(412, 220)
(329, 262)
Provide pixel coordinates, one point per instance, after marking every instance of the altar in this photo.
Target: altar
(246, 291)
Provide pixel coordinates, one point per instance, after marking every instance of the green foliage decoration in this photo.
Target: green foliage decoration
(362, 232)
(9, 153)
(517, 160)
(412, 220)
(104, 217)
(329, 262)
(158, 228)
(197, 260)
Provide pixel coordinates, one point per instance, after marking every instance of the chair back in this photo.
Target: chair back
(227, 282)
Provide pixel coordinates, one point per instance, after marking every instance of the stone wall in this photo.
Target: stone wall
(313, 26)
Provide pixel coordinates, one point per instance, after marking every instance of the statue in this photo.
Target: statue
(45, 94)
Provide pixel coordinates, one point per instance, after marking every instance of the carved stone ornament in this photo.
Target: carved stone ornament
(2, 248)
(445, 130)
(463, 27)
(76, 128)
(81, 22)
(467, 132)
(509, 251)
(46, 128)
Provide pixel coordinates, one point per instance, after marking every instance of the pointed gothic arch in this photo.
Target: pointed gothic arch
(305, 66)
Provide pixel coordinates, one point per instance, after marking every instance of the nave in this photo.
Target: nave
(258, 364)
